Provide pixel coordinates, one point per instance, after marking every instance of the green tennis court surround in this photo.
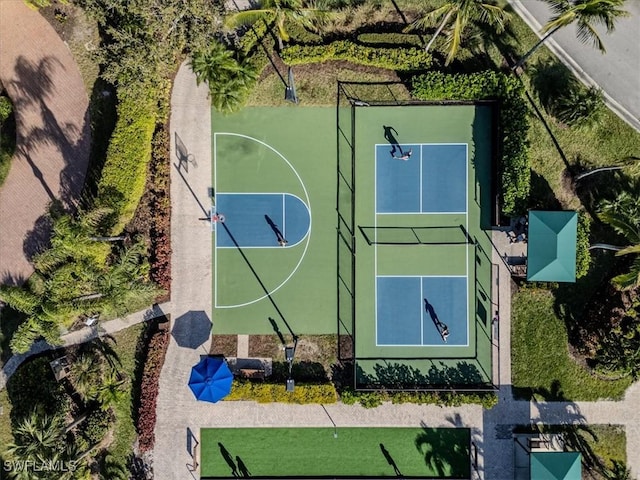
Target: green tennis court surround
(414, 187)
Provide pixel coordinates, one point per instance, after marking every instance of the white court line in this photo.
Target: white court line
(421, 185)
(422, 312)
(215, 243)
(307, 236)
(284, 219)
(421, 213)
(421, 276)
(375, 239)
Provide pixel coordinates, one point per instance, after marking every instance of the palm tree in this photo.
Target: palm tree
(111, 390)
(86, 376)
(37, 437)
(277, 13)
(623, 215)
(585, 13)
(458, 14)
(230, 80)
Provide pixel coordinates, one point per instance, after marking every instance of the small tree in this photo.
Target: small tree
(457, 14)
(277, 13)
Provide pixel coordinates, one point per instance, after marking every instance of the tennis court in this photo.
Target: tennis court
(413, 182)
(342, 452)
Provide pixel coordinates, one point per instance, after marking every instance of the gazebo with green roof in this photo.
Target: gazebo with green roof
(551, 255)
(556, 466)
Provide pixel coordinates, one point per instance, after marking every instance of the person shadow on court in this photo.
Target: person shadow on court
(389, 136)
(279, 237)
(242, 468)
(229, 459)
(390, 460)
(442, 328)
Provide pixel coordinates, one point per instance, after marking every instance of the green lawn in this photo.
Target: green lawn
(610, 443)
(540, 361)
(426, 452)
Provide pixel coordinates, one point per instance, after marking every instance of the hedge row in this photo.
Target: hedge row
(124, 173)
(156, 350)
(447, 399)
(514, 123)
(267, 393)
(390, 38)
(401, 59)
(583, 254)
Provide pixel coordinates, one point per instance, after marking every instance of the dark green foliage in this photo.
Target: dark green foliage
(564, 97)
(580, 107)
(583, 254)
(400, 59)
(33, 386)
(449, 399)
(7, 136)
(390, 38)
(515, 174)
(230, 80)
(95, 426)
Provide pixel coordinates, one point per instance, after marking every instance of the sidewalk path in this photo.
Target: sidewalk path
(83, 335)
(179, 415)
(53, 144)
(617, 72)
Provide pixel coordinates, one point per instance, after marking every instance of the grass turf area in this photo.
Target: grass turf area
(540, 361)
(273, 452)
(610, 443)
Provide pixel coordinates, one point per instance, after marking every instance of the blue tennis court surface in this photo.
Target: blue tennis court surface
(258, 219)
(433, 179)
(410, 310)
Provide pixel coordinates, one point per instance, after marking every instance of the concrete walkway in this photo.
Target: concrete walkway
(53, 136)
(83, 335)
(180, 416)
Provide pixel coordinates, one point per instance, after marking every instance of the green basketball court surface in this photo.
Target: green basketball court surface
(410, 259)
(368, 452)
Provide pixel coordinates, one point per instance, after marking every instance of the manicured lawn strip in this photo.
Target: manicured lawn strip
(356, 451)
(540, 360)
(124, 432)
(611, 443)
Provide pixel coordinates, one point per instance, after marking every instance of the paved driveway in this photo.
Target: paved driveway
(617, 72)
(53, 144)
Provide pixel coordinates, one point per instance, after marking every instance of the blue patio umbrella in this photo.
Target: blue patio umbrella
(211, 379)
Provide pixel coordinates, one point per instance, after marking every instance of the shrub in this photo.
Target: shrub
(390, 38)
(129, 153)
(514, 123)
(6, 108)
(583, 254)
(401, 59)
(580, 107)
(156, 350)
(449, 399)
(95, 426)
(268, 393)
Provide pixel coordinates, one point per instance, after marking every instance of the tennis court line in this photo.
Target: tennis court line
(421, 211)
(307, 203)
(283, 194)
(422, 313)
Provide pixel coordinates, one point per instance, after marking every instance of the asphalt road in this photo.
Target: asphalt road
(617, 71)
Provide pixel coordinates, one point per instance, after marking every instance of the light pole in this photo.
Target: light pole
(335, 427)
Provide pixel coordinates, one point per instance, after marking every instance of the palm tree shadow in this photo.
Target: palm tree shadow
(443, 453)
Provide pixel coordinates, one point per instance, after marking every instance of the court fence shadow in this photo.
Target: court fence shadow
(436, 375)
